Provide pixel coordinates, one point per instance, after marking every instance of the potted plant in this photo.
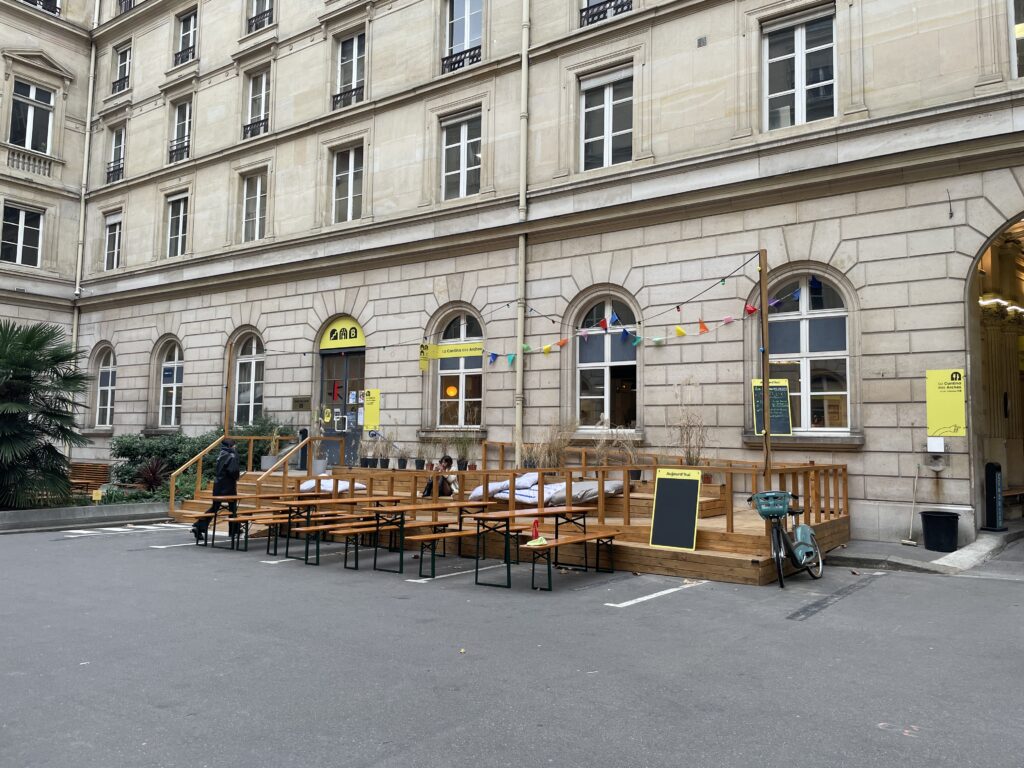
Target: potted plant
(366, 453)
(402, 453)
(532, 455)
(384, 447)
(630, 453)
(462, 445)
(420, 461)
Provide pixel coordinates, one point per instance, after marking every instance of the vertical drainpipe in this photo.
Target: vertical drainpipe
(524, 140)
(84, 186)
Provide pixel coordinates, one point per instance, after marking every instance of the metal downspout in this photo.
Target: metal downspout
(524, 140)
(84, 185)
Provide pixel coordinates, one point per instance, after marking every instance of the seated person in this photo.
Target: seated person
(448, 482)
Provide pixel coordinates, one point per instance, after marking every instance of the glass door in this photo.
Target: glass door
(341, 391)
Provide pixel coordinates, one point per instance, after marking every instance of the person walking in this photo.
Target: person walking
(225, 483)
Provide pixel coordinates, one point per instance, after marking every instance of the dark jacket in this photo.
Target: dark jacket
(225, 481)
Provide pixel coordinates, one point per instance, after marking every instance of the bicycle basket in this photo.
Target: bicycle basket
(771, 504)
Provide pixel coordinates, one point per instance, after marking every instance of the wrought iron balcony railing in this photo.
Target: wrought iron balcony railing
(178, 150)
(121, 84)
(261, 20)
(602, 11)
(347, 97)
(460, 59)
(115, 171)
(123, 6)
(50, 6)
(185, 54)
(255, 128)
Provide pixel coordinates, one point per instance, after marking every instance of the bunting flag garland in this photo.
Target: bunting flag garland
(815, 283)
(527, 348)
(796, 294)
(749, 309)
(492, 357)
(727, 319)
(511, 359)
(604, 324)
(638, 341)
(584, 334)
(614, 318)
(703, 328)
(546, 349)
(562, 342)
(680, 331)
(774, 302)
(658, 341)
(625, 334)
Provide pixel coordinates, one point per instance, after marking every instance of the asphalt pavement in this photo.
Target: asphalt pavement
(121, 648)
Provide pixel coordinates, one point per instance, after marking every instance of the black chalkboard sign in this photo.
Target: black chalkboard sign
(674, 517)
(778, 404)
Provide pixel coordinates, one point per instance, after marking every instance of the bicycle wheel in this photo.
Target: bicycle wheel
(817, 563)
(779, 554)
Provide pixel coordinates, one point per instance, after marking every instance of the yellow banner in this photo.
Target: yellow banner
(343, 333)
(371, 409)
(430, 352)
(946, 397)
(677, 474)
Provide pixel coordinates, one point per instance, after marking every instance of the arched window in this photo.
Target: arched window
(106, 385)
(460, 379)
(249, 379)
(808, 337)
(606, 383)
(171, 376)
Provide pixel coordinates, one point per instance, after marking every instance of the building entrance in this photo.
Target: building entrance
(342, 374)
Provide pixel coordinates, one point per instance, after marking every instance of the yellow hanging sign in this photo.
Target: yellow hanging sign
(343, 333)
(430, 352)
(371, 409)
(946, 398)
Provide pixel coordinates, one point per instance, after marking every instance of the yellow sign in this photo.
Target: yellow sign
(442, 351)
(371, 412)
(97, 495)
(343, 333)
(946, 403)
(675, 509)
(328, 414)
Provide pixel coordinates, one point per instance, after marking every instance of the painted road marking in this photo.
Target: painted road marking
(456, 573)
(656, 594)
(78, 533)
(169, 546)
(820, 605)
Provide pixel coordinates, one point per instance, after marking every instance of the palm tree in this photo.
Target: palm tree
(39, 386)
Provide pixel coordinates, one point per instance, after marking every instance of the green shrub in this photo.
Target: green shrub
(134, 452)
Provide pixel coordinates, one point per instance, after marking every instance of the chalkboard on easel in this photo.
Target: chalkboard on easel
(781, 418)
(674, 516)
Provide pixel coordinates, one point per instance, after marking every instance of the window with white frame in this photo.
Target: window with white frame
(122, 67)
(187, 27)
(463, 35)
(50, 6)
(115, 168)
(606, 375)
(172, 371)
(177, 225)
(1017, 36)
(594, 11)
(106, 385)
(181, 132)
(259, 104)
(351, 71)
(254, 207)
(799, 70)
(606, 119)
(249, 379)
(460, 157)
(21, 235)
(348, 184)
(31, 117)
(460, 379)
(261, 14)
(112, 241)
(808, 338)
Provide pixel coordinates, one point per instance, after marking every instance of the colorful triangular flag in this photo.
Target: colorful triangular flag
(658, 341)
(492, 357)
(625, 335)
(546, 349)
(584, 334)
(604, 324)
(750, 309)
(614, 318)
(796, 294)
(680, 331)
(703, 328)
(637, 340)
(815, 283)
(511, 359)
(527, 348)
(727, 319)
(562, 342)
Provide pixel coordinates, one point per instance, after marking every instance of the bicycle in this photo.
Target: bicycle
(801, 547)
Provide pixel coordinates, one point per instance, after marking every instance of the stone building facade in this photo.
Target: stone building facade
(260, 171)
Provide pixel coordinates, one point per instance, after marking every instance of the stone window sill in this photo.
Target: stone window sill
(851, 441)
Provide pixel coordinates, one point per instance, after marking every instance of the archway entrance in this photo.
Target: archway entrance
(997, 314)
(342, 373)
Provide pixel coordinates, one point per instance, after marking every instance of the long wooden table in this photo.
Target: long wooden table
(295, 510)
(257, 497)
(500, 523)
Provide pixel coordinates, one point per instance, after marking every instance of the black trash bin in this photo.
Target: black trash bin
(939, 530)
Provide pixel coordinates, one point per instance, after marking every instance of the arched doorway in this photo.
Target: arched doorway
(996, 321)
(342, 374)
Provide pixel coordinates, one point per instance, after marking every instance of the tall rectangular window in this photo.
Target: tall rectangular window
(21, 235)
(1017, 36)
(106, 389)
(122, 68)
(460, 157)
(348, 184)
(259, 105)
(261, 14)
(351, 68)
(177, 225)
(112, 242)
(31, 117)
(171, 377)
(181, 132)
(799, 72)
(254, 207)
(606, 124)
(187, 26)
(115, 168)
(464, 34)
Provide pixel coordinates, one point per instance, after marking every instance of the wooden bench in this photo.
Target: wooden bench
(429, 541)
(86, 477)
(1014, 493)
(543, 552)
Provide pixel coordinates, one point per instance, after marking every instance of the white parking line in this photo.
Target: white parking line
(169, 546)
(656, 594)
(456, 573)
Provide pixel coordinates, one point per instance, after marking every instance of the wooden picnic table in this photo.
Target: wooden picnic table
(294, 511)
(500, 522)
